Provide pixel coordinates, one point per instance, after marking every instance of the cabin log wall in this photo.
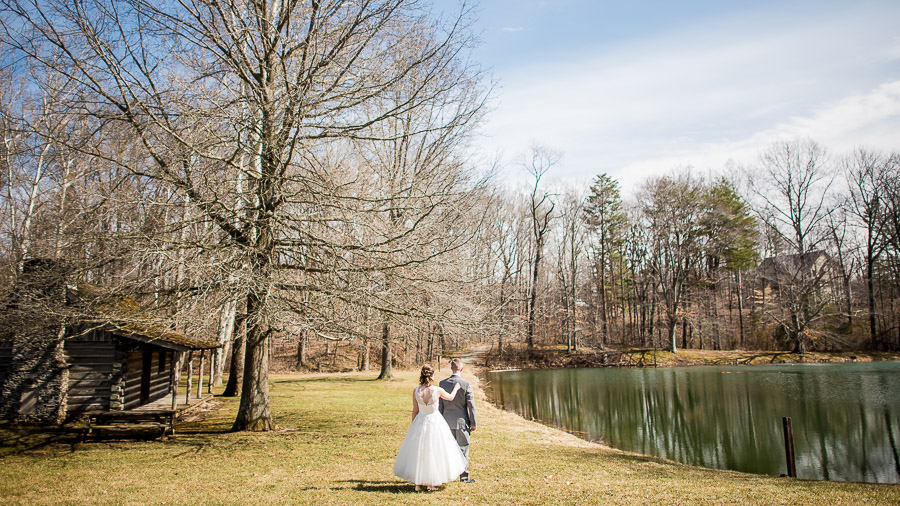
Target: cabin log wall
(33, 389)
(92, 371)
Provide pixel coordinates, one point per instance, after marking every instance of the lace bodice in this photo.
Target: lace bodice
(427, 399)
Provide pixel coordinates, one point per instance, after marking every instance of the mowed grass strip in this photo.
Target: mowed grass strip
(336, 441)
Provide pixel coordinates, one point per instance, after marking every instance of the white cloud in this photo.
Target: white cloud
(863, 120)
(513, 28)
(848, 118)
(869, 119)
(707, 94)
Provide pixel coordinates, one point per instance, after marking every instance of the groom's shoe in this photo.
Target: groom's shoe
(464, 478)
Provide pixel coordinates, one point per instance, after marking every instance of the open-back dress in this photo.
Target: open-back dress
(429, 454)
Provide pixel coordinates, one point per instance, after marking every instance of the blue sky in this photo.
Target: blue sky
(641, 88)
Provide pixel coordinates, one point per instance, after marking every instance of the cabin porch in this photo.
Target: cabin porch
(159, 414)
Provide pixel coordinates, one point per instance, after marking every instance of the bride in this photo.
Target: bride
(429, 455)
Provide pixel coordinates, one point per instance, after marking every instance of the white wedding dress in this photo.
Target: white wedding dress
(429, 454)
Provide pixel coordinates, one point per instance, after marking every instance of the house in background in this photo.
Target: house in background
(107, 356)
(815, 268)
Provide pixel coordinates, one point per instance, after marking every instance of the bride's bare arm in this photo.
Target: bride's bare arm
(448, 397)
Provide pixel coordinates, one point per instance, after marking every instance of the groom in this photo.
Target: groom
(460, 412)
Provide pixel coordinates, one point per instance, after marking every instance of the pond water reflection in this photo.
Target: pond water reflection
(846, 417)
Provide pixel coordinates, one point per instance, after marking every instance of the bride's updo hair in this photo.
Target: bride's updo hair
(427, 375)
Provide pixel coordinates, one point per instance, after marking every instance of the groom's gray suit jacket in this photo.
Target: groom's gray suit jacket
(460, 412)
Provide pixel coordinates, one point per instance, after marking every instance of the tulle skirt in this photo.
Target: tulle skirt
(429, 454)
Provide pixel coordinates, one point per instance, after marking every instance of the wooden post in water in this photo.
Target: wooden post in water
(789, 446)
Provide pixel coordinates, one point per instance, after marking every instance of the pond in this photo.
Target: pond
(846, 417)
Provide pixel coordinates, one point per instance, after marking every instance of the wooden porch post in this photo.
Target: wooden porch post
(173, 387)
(212, 371)
(200, 376)
(190, 377)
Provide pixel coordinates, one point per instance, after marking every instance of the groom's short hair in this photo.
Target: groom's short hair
(456, 365)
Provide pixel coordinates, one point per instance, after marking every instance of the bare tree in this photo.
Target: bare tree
(570, 249)
(845, 251)
(539, 162)
(673, 209)
(506, 239)
(865, 171)
(37, 165)
(792, 187)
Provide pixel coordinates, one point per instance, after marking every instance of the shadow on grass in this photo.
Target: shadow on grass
(17, 440)
(41, 441)
(392, 487)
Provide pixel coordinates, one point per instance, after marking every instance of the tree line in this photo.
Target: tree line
(301, 174)
(797, 250)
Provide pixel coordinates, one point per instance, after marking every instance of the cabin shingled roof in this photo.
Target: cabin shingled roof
(124, 317)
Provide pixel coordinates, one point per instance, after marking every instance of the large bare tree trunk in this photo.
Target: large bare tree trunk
(253, 412)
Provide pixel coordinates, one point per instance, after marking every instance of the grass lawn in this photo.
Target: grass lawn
(335, 444)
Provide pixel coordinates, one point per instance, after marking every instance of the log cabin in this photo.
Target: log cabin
(107, 355)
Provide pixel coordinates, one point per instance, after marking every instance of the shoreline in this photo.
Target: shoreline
(554, 358)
